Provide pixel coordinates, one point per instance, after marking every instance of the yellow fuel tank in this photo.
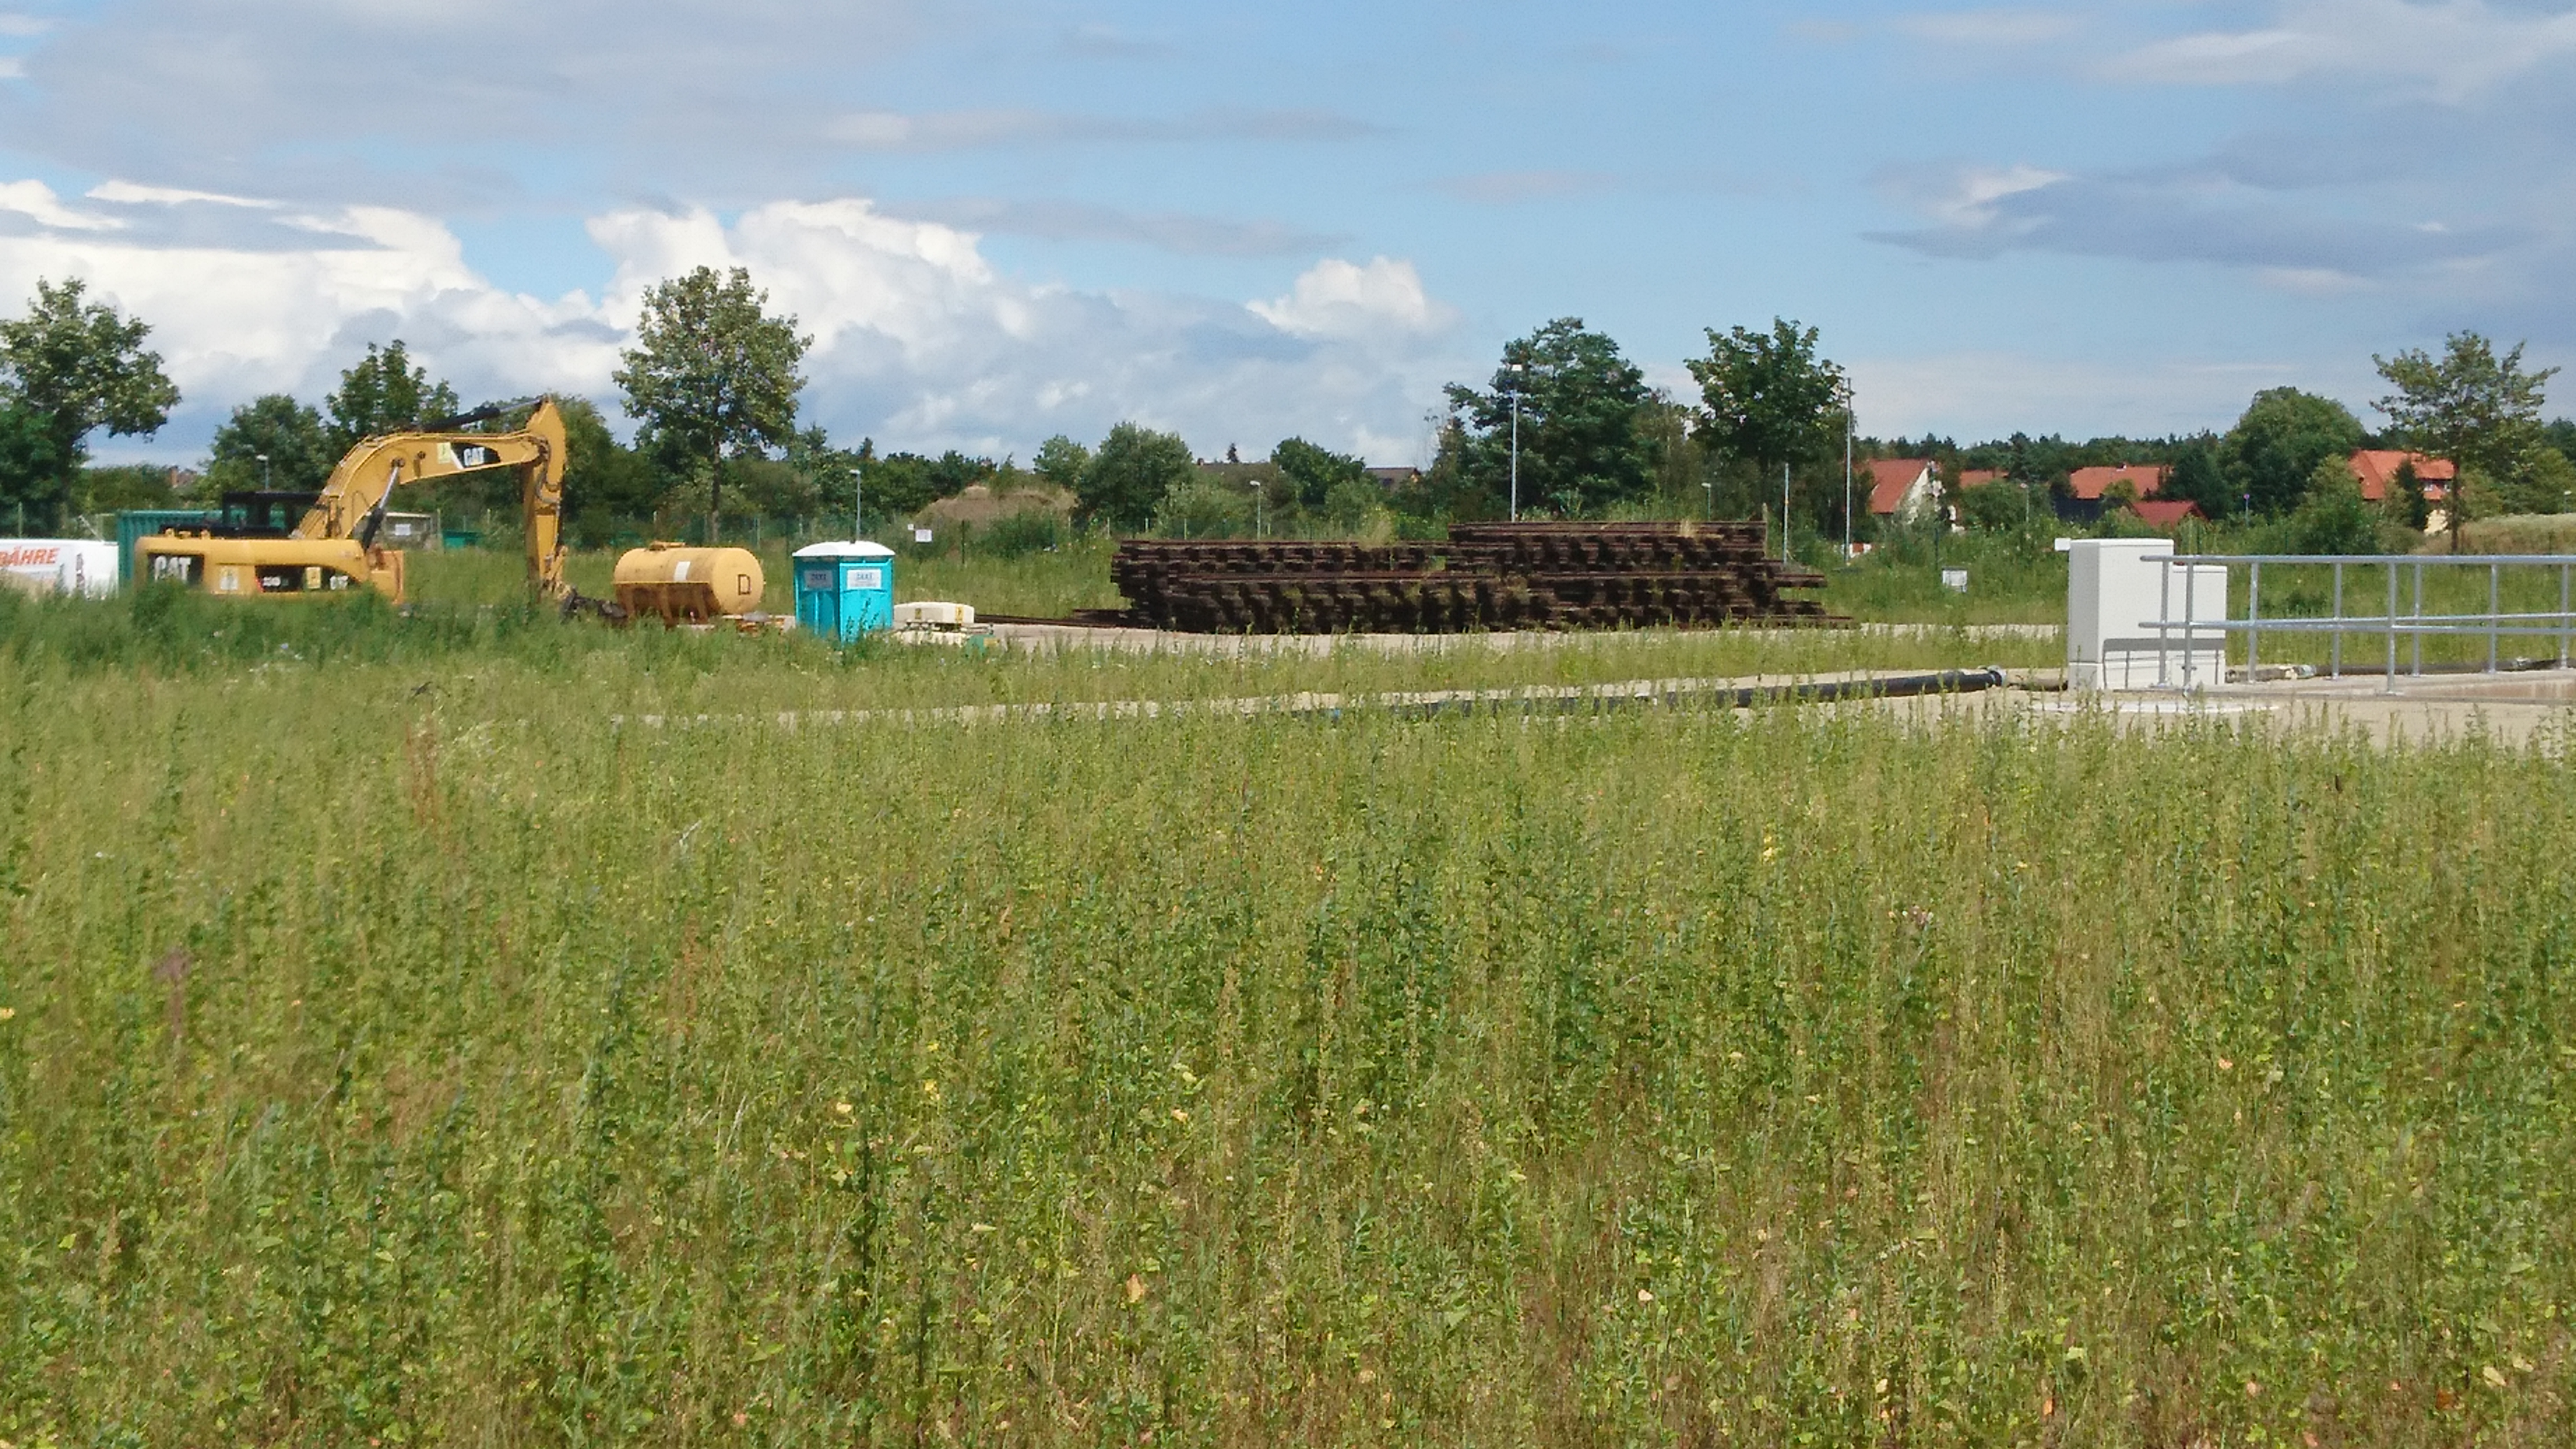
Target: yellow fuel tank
(679, 584)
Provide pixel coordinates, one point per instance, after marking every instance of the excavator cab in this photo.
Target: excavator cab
(262, 513)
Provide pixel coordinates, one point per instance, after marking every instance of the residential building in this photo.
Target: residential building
(2376, 468)
(2165, 513)
(1902, 489)
(2092, 485)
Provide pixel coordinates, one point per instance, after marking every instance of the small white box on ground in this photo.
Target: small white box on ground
(2116, 591)
(1955, 580)
(930, 615)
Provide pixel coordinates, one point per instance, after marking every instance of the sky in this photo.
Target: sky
(1006, 219)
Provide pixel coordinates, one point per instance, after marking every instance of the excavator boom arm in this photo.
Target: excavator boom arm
(365, 479)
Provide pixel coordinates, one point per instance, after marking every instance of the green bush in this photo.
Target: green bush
(1016, 535)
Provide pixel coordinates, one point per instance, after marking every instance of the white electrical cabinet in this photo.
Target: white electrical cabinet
(2116, 590)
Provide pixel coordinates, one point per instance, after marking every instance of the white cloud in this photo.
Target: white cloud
(1335, 298)
(919, 339)
(2455, 51)
(36, 201)
(1179, 232)
(130, 193)
(232, 323)
(1976, 192)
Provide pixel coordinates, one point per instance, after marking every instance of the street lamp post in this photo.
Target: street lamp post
(1519, 371)
(1258, 529)
(265, 478)
(1850, 497)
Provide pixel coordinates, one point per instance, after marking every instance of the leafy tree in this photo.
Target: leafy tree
(1996, 508)
(2405, 502)
(1313, 472)
(835, 473)
(1201, 507)
(605, 482)
(1582, 406)
(1127, 477)
(900, 485)
(954, 472)
(775, 488)
(1768, 399)
(2275, 447)
(712, 374)
(1447, 490)
(2198, 478)
(2543, 481)
(120, 486)
(2562, 436)
(1682, 482)
(2477, 409)
(385, 392)
(32, 472)
(1060, 461)
(2333, 517)
(299, 451)
(1354, 504)
(67, 369)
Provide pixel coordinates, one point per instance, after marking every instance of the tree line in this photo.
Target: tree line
(1594, 440)
(1566, 426)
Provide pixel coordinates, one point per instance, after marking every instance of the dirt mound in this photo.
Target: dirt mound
(980, 507)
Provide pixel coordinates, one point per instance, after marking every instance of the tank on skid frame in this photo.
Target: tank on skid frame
(684, 584)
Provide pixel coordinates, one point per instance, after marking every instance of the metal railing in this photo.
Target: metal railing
(2494, 625)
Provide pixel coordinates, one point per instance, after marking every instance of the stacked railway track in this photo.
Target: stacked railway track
(1483, 576)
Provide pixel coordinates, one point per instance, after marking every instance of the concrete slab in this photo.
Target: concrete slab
(1054, 638)
(2509, 709)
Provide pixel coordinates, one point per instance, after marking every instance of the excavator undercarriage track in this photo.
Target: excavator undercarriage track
(1484, 576)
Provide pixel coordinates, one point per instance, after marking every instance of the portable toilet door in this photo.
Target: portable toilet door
(844, 590)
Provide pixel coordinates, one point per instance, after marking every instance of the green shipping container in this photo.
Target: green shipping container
(138, 524)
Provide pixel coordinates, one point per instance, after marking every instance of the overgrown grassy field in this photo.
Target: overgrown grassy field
(394, 1048)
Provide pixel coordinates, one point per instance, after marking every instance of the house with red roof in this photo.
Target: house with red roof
(1979, 477)
(2165, 513)
(1902, 488)
(2092, 485)
(2376, 469)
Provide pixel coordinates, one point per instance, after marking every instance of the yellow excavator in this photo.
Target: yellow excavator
(333, 547)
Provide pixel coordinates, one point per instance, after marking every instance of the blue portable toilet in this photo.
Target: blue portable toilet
(844, 590)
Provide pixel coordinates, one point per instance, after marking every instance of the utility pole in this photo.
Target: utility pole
(1518, 370)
